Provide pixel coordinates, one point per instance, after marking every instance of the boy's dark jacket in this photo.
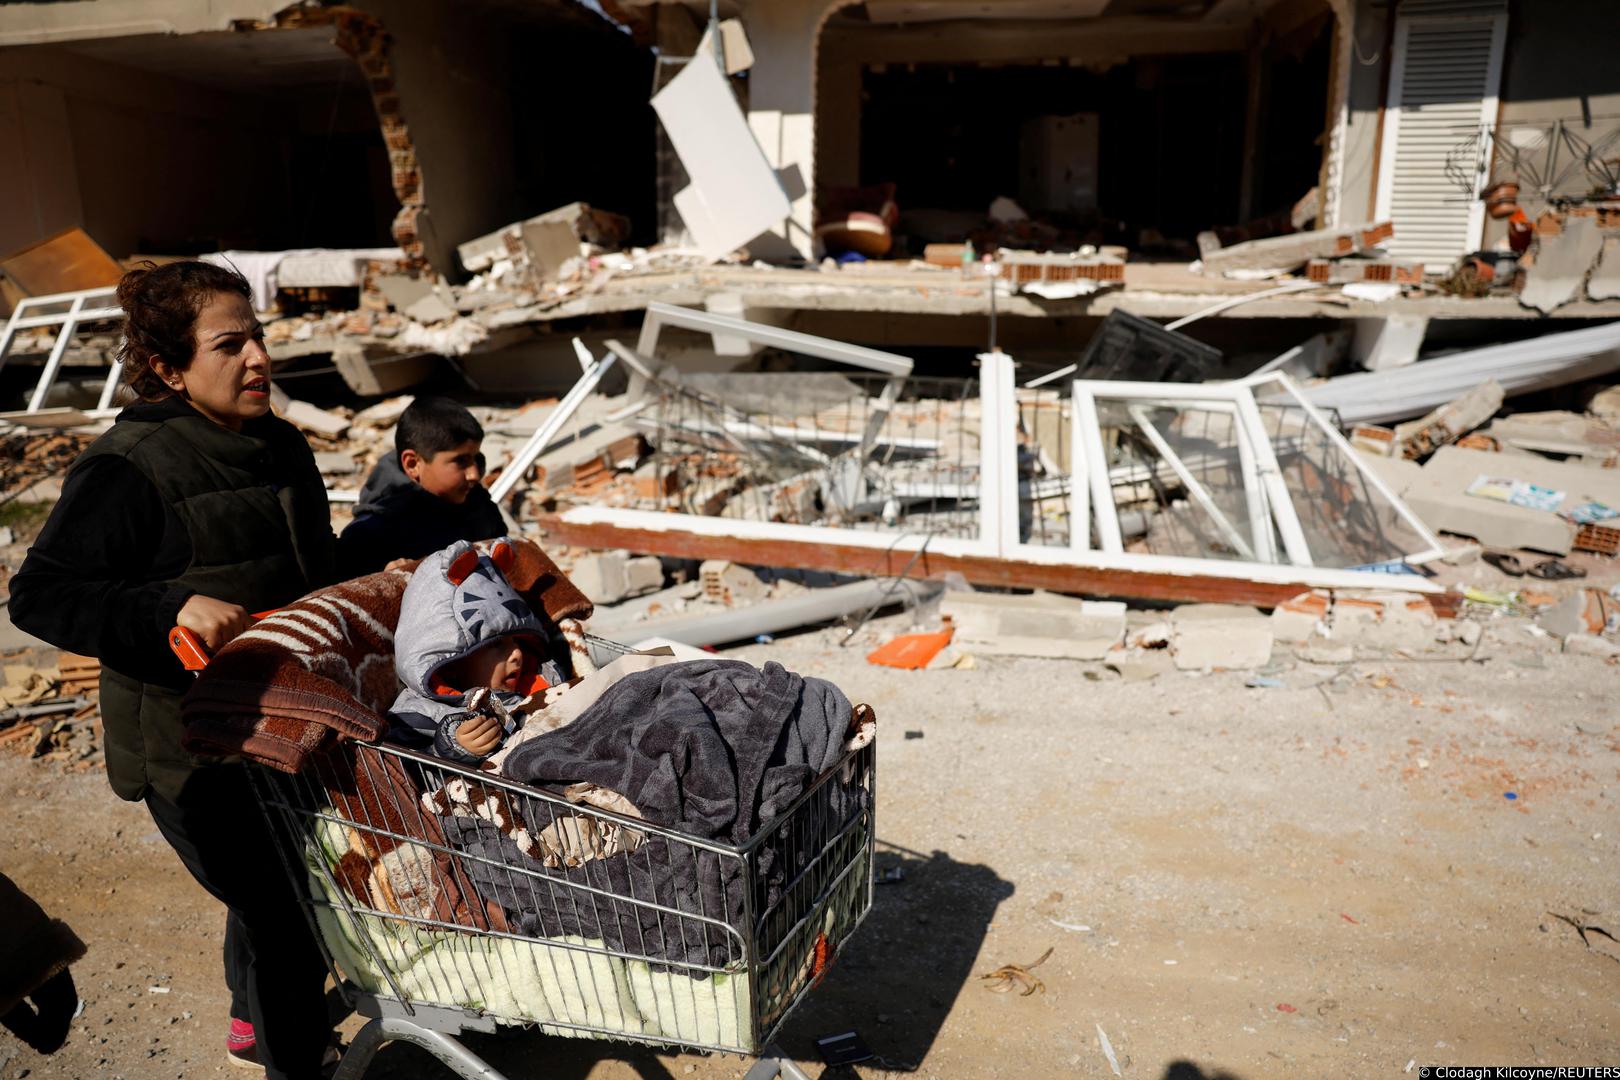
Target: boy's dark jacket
(396, 518)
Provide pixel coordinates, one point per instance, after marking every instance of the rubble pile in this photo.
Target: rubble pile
(1575, 251)
(28, 456)
(53, 714)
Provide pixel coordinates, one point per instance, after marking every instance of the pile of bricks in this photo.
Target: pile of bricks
(27, 457)
(363, 37)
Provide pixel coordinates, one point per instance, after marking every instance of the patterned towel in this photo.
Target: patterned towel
(372, 792)
(322, 668)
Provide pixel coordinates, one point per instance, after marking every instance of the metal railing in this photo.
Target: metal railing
(79, 309)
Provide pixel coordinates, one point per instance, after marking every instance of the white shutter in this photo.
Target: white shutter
(1443, 90)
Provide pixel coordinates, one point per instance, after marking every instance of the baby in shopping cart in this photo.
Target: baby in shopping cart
(471, 654)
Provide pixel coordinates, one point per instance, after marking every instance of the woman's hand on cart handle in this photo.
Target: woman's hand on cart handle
(192, 648)
(214, 622)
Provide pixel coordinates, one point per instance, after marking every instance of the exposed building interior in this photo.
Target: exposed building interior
(292, 120)
(283, 113)
(1108, 123)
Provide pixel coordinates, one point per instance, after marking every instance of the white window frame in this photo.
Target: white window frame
(86, 305)
(1270, 504)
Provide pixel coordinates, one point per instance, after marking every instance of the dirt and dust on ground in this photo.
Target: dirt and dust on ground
(1339, 876)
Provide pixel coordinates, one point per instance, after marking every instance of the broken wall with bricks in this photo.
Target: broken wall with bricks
(508, 112)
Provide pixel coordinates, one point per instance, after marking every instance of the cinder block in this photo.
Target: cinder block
(1591, 645)
(1296, 620)
(1042, 624)
(602, 577)
(730, 584)
(1220, 636)
(643, 575)
(1382, 620)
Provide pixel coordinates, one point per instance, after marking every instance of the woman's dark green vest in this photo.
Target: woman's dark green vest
(255, 508)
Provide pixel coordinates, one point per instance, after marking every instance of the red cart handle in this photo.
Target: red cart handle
(189, 648)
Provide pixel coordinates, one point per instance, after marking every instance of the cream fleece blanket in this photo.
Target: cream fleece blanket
(560, 984)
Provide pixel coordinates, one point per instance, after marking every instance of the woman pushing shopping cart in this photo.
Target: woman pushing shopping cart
(449, 899)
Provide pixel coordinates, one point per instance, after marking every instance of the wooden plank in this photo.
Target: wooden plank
(978, 570)
(68, 262)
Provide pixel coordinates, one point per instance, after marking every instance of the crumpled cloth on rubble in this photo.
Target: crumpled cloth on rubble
(715, 749)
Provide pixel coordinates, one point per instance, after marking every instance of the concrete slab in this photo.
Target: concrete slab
(1397, 472)
(1591, 645)
(1041, 624)
(1585, 611)
(1382, 620)
(1296, 620)
(1562, 261)
(1220, 636)
(335, 463)
(385, 413)
(1381, 344)
(1438, 497)
(1604, 284)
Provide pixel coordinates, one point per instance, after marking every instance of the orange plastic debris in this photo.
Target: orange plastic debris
(911, 652)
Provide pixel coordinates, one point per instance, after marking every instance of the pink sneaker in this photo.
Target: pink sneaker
(241, 1048)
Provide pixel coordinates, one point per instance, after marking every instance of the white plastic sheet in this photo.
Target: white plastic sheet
(1377, 397)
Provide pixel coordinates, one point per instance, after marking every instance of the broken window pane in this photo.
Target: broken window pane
(1347, 521)
(1182, 481)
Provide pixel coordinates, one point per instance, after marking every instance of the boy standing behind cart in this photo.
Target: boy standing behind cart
(426, 495)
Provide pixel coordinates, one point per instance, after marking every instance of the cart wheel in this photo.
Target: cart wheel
(775, 1065)
(448, 1050)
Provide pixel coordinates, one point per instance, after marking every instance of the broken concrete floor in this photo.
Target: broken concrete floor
(1252, 881)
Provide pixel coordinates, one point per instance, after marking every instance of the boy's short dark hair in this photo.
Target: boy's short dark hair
(430, 425)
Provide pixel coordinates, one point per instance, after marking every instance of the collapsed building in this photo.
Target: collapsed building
(987, 209)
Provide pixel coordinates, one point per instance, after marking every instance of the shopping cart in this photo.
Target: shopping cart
(608, 927)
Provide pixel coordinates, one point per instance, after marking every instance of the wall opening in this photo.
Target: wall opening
(1135, 130)
(179, 145)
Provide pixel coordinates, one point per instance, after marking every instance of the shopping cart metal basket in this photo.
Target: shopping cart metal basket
(526, 907)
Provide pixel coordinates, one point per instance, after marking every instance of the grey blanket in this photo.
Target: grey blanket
(716, 749)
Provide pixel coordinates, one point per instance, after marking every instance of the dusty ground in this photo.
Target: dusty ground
(1286, 882)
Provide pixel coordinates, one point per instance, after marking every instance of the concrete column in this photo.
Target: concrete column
(1361, 65)
(781, 109)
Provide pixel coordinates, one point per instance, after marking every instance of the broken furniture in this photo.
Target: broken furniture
(1128, 346)
(67, 262)
(1262, 476)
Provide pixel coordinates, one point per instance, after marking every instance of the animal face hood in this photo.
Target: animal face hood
(457, 600)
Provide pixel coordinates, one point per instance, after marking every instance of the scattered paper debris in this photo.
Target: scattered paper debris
(1108, 1050)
